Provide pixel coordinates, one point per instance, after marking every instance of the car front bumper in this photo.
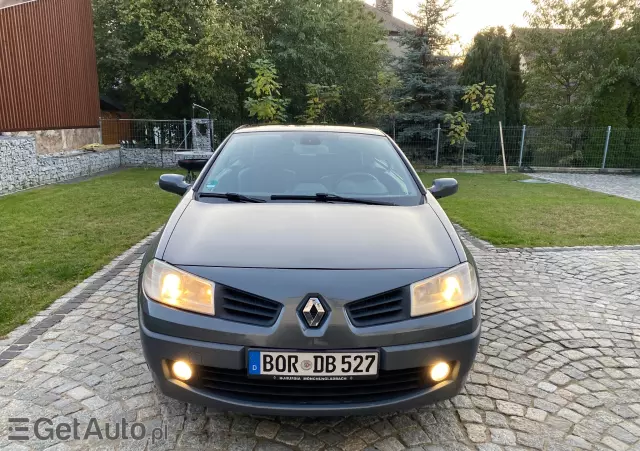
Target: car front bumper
(160, 349)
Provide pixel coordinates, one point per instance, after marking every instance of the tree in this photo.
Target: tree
(320, 100)
(383, 105)
(267, 105)
(158, 57)
(492, 59)
(577, 52)
(428, 78)
(479, 97)
(326, 42)
(161, 56)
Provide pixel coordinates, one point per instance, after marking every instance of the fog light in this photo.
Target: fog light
(181, 370)
(440, 371)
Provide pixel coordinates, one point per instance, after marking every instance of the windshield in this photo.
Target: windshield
(262, 164)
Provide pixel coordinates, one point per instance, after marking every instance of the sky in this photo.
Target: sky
(473, 15)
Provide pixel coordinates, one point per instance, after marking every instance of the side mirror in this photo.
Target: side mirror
(174, 183)
(443, 188)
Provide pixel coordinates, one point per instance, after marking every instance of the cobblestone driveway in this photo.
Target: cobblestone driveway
(558, 368)
(618, 185)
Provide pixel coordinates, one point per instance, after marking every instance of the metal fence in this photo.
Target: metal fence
(185, 134)
(524, 146)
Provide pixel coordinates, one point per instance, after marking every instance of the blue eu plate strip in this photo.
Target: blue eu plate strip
(254, 362)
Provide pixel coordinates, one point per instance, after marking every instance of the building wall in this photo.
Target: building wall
(48, 71)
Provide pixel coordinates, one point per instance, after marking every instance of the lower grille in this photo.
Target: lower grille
(236, 384)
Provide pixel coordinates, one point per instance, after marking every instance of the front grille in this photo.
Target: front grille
(379, 309)
(236, 384)
(242, 307)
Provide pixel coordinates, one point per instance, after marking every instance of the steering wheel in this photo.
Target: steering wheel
(359, 177)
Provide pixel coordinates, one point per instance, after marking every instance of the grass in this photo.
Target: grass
(496, 208)
(52, 238)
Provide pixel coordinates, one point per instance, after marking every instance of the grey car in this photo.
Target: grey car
(308, 271)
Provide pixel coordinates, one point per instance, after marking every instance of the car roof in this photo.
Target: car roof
(310, 128)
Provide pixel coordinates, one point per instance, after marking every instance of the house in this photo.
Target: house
(48, 73)
(395, 27)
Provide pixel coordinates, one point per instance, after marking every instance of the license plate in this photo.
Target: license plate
(313, 365)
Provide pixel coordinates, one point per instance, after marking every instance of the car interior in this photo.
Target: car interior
(309, 163)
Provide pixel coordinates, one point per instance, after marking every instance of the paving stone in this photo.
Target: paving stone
(477, 432)
(79, 393)
(503, 436)
(510, 408)
(267, 429)
(290, 435)
(469, 416)
(389, 444)
(557, 369)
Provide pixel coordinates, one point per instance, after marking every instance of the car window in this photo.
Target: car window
(307, 163)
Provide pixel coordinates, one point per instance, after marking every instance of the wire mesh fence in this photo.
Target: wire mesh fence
(185, 134)
(524, 146)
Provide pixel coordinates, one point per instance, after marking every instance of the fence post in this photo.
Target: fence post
(213, 136)
(100, 123)
(504, 158)
(606, 148)
(437, 144)
(524, 131)
(186, 146)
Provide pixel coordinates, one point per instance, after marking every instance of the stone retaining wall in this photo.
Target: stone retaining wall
(154, 158)
(22, 168)
(18, 164)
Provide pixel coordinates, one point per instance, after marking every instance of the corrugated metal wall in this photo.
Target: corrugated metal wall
(48, 73)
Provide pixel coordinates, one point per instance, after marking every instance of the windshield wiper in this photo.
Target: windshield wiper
(324, 197)
(233, 197)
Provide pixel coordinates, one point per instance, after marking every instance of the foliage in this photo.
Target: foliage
(478, 97)
(382, 104)
(494, 60)
(320, 99)
(160, 56)
(427, 75)
(266, 106)
(458, 127)
(576, 53)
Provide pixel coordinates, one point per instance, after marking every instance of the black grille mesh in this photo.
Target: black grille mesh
(379, 309)
(242, 307)
(236, 384)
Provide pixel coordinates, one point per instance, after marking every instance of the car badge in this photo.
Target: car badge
(313, 312)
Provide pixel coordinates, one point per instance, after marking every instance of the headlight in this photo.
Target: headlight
(447, 290)
(172, 286)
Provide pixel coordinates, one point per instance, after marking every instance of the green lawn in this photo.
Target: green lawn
(507, 213)
(52, 238)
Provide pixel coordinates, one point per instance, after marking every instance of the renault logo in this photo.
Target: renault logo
(313, 312)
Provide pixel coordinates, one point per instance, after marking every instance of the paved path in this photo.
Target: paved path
(618, 185)
(558, 369)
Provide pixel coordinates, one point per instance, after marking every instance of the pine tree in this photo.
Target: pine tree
(429, 84)
(493, 59)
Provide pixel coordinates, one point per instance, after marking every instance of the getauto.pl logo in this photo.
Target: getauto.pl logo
(20, 429)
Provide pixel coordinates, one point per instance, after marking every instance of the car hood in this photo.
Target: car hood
(309, 236)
